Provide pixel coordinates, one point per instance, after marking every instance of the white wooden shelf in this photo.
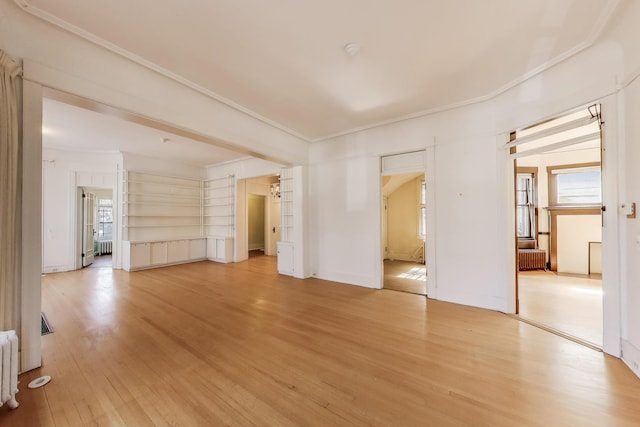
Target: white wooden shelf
(166, 220)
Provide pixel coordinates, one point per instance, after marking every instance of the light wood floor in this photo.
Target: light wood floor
(572, 305)
(209, 344)
(102, 261)
(405, 276)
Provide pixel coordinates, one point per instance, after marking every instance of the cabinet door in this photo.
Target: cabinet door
(211, 248)
(197, 249)
(220, 249)
(285, 258)
(178, 251)
(140, 255)
(158, 253)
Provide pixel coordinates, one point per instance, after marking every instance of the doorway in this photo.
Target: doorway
(404, 232)
(258, 217)
(95, 246)
(558, 202)
(256, 224)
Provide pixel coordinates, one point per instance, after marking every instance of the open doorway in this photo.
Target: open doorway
(256, 224)
(558, 194)
(403, 232)
(95, 227)
(259, 220)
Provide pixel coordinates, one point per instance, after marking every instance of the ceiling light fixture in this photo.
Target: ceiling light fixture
(165, 140)
(351, 48)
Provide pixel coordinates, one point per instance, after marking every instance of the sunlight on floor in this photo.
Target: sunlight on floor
(415, 273)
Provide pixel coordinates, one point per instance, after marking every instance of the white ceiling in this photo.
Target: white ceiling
(283, 60)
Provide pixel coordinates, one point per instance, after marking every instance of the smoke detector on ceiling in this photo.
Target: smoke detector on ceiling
(351, 48)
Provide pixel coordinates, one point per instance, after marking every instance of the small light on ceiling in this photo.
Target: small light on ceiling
(47, 131)
(165, 140)
(351, 49)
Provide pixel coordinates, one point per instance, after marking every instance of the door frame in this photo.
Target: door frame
(611, 268)
(427, 166)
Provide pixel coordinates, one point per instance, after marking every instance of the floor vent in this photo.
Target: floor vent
(45, 328)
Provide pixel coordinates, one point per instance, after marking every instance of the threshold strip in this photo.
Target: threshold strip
(554, 331)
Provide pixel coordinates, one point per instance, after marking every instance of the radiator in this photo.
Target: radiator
(104, 247)
(532, 259)
(8, 368)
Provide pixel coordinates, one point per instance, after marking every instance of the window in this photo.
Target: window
(575, 185)
(105, 219)
(423, 209)
(525, 205)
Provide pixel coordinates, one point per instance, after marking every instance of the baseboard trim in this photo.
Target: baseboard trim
(631, 356)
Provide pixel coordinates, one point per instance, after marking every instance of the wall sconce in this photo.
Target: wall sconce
(275, 190)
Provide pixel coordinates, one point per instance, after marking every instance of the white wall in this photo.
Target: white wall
(58, 228)
(63, 173)
(473, 205)
(246, 168)
(574, 234)
(135, 162)
(631, 231)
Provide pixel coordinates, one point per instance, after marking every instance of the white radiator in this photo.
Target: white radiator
(104, 247)
(8, 368)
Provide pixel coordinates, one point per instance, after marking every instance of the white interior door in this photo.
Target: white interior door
(88, 227)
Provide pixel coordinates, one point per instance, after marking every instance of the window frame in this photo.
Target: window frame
(422, 209)
(553, 186)
(100, 224)
(533, 171)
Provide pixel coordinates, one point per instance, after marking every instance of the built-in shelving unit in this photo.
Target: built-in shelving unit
(219, 207)
(286, 205)
(285, 245)
(159, 207)
(219, 217)
(166, 219)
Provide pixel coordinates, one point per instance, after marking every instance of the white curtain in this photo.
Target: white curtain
(9, 192)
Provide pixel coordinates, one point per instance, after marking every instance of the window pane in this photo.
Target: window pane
(525, 204)
(524, 224)
(579, 188)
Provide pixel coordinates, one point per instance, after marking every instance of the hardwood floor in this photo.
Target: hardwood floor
(102, 261)
(236, 344)
(405, 276)
(572, 305)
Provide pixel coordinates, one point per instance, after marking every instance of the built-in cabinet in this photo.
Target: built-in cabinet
(285, 258)
(219, 218)
(169, 220)
(220, 249)
(141, 255)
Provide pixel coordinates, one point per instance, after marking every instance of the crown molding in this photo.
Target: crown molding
(52, 19)
(604, 19)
